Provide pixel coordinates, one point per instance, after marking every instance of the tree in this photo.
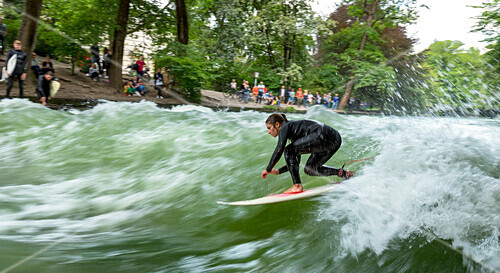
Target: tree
(118, 43)
(29, 27)
(182, 22)
(457, 77)
(366, 23)
(489, 25)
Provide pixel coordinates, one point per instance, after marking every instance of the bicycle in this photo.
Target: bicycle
(146, 77)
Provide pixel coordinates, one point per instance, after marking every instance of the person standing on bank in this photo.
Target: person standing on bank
(158, 83)
(307, 137)
(3, 33)
(43, 87)
(20, 69)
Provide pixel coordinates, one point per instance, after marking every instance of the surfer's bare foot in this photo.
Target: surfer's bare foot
(295, 188)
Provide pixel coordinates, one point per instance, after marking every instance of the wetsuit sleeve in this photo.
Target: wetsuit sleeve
(25, 62)
(283, 169)
(280, 147)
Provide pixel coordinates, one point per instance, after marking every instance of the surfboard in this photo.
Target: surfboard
(283, 197)
(54, 88)
(9, 67)
(11, 64)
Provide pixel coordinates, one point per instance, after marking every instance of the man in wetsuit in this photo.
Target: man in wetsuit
(308, 137)
(20, 69)
(43, 87)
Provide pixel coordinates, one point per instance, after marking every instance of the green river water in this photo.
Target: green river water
(130, 187)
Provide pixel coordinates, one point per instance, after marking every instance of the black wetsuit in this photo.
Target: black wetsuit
(43, 87)
(21, 67)
(308, 137)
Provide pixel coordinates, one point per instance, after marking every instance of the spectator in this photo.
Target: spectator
(310, 98)
(142, 87)
(106, 61)
(128, 89)
(95, 57)
(329, 100)
(3, 33)
(94, 72)
(19, 70)
(299, 96)
(137, 84)
(291, 97)
(324, 101)
(317, 97)
(158, 83)
(47, 65)
(43, 87)
(305, 98)
(233, 86)
(282, 95)
(34, 65)
(335, 102)
(351, 103)
(260, 94)
(140, 67)
(246, 91)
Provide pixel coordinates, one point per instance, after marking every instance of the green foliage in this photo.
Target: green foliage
(457, 76)
(190, 70)
(290, 109)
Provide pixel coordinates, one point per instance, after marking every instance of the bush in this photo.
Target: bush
(290, 109)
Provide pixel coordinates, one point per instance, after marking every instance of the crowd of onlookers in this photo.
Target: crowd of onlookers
(289, 97)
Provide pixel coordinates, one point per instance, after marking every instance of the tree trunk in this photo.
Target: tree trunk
(182, 22)
(370, 11)
(347, 94)
(118, 45)
(29, 27)
(269, 49)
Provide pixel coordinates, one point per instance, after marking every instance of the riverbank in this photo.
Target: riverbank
(80, 91)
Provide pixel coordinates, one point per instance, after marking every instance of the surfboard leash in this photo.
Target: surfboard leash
(342, 168)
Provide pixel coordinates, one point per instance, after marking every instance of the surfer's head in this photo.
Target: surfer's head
(274, 123)
(17, 45)
(48, 75)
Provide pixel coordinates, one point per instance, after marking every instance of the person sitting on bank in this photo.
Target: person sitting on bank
(128, 89)
(35, 66)
(137, 84)
(43, 87)
(94, 72)
(47, 66)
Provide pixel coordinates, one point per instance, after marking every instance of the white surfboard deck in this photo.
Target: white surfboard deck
(54, 88)
(283, 197)
(9, 67)
(11, 64)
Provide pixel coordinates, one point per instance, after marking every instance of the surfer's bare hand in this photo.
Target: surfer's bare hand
(275, 172)
(264, 174)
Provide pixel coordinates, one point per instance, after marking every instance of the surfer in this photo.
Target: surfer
(20, 69)
(43, 87)
(308, 137)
